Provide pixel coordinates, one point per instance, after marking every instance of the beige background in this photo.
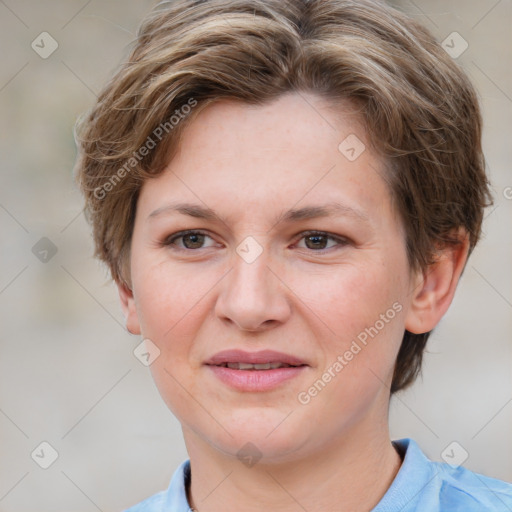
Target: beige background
(67, 372)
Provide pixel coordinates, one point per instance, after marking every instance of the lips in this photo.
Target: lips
(231, 358)
(251, 366)
(255, 371)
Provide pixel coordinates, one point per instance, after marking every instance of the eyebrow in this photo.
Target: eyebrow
(293, 215)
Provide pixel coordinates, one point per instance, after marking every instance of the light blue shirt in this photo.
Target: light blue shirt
(420, 485)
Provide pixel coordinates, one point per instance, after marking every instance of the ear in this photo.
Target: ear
(435, 286)
(129, 309)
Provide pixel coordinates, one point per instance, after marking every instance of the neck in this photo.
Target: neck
(350, 474)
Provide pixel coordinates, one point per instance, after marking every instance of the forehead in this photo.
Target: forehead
(291, 126)
(296, 150)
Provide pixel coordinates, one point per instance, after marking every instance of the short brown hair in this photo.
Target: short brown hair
(420, 112)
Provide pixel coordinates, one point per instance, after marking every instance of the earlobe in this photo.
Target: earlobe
(435, 287)
(128, 307)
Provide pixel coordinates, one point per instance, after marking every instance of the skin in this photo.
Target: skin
(250, 164)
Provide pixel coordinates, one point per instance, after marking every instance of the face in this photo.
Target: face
(267, 238)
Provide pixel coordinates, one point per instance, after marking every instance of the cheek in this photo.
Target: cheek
(356, 313)
(351, 297)
(171, 305)
(170, 298)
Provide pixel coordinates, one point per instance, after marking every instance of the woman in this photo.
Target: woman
(286, 194)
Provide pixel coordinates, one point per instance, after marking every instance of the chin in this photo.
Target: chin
(258, 434)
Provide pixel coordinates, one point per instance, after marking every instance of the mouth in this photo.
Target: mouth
(255, 371)
(260, 366)
(242, 360)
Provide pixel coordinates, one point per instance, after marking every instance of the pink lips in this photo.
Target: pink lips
(263, 356)
(252, 379)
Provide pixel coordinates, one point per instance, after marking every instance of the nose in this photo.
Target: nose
(252, 296)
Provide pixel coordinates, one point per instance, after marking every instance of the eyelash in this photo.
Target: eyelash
(170, 241)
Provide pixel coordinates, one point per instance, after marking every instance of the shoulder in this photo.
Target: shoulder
(422, 484)
(467, 490)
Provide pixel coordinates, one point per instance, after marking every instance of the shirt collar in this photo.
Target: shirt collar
(401, 492)
(414, 475)
(176, 496)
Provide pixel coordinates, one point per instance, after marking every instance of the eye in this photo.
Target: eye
(319, 240)
(189, 240)
(193, 239)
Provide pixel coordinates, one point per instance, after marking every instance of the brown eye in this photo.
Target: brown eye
(193, 240)
(318, 241)
(189, 240)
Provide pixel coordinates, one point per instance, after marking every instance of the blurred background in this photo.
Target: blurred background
(82, 427)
